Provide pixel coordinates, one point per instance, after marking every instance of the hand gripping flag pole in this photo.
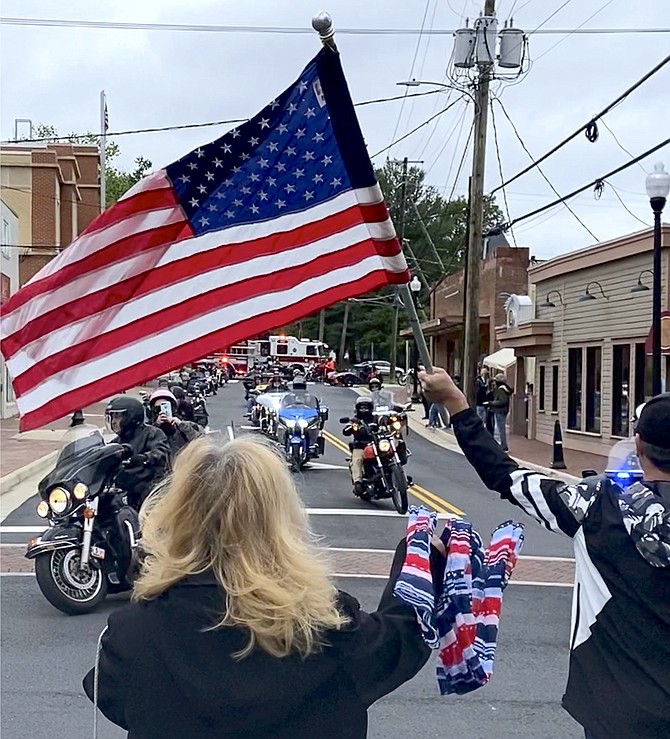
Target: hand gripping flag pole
(323, 25)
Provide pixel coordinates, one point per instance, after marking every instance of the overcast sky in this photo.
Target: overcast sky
(158, 78)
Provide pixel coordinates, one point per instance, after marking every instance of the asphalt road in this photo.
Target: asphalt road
(45, 654)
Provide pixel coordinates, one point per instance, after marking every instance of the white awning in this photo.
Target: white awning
(500, 360)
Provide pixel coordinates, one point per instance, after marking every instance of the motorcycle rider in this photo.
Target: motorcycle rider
(277, 385)
(150, 460)
(184, 405)
(618, 681)
(361, 437)
(382, 396)
(179, 432)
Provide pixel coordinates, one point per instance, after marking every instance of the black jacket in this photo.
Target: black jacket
(619, 678)
(360, 432)
(483, 389)
(180, 434)
(139, 479)
(501, 398)
(163, 676)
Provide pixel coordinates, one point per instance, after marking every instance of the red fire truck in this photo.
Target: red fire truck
(255, 353)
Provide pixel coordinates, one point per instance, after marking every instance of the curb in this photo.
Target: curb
(13, 479)
(447, 441)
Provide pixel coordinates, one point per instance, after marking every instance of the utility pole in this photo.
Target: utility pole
(475, 223)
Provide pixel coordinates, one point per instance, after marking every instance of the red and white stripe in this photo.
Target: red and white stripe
(138, 293)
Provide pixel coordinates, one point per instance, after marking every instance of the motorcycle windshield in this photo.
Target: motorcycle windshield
(622, 461)
(299, 400)
(383, 400)
(78, 440)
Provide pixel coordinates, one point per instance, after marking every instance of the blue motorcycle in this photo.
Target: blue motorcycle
(300, 422)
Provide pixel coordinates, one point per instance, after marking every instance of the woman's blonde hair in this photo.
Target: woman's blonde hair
(234, 510)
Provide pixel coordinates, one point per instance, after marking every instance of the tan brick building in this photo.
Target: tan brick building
(54, 189)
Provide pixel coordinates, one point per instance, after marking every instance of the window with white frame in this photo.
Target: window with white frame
(6, 239)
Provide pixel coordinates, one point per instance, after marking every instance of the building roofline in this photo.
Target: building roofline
(623, 246)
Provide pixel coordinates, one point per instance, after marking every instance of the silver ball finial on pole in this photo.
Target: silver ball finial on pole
(323, 25)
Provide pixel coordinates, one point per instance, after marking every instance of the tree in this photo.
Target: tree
(118, 181)
(369, 326)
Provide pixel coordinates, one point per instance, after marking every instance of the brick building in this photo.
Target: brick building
(54, 189)
(504, 271)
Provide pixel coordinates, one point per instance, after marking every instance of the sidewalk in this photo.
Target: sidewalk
(527, 452)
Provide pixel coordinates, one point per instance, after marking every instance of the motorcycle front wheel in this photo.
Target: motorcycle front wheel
(69, 587)
(399, 489)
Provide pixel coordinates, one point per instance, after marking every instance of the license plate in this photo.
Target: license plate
(98, 552)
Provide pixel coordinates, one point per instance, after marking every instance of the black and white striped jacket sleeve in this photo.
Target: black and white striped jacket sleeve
(555, 504)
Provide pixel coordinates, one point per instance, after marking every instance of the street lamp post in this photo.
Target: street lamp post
(415, 287)
(658, 186)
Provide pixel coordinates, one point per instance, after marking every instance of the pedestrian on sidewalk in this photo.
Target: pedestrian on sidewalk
(619, 681)
(434, 421)
(499, 405)
(237, 629)
(484, 393)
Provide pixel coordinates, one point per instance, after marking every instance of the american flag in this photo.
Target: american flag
(278, 218)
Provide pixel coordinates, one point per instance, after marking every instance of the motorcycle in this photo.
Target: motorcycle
(89, 548)
(383, 461)
(300, 423)
(199, 404)
(345, 378)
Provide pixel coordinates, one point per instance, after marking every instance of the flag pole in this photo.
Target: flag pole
(323, 25)
(103, 143)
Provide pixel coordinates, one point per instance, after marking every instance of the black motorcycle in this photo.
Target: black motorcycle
(196, 395)
(89, 548)
(383, 461)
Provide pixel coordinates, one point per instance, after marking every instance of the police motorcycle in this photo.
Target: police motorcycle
(89, 548)
(300, 422)
(383, 460)
(623, 465)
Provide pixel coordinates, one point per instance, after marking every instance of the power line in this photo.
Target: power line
(548, 18)
(589, 124)
(621, 146)
(500, 169)
(115, 25)
(626, 208)
(71, 136)
(546, 179)
(461, 163)
(411, 71)
(414, 130)
(597, 181)
(560, 41)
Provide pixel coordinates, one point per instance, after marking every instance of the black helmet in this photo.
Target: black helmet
(364, 408)
(123, 414)
(374, 383)
(299, 383)
(178, 392)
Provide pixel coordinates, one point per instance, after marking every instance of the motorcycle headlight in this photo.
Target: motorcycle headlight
(288, 422)
(43, 509)
(397, 425)
(384, 445)
(59, 499)
(80, 491)
(303, 423)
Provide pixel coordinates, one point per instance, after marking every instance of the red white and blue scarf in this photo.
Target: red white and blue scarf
(459, 617)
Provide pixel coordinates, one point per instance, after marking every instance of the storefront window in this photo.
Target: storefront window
(542, 387)
(621, 410)
(575, 389)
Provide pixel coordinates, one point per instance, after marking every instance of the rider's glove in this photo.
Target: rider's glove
(137, 460)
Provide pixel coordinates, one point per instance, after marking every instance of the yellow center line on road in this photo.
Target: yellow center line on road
(425, 496)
